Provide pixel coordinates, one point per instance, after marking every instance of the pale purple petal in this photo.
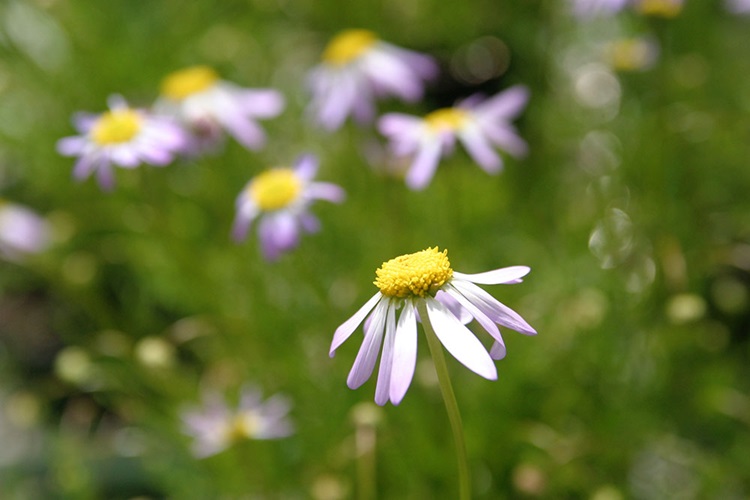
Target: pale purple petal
(480, 150)
(105, 176)
(498, 312)
(506, 105)
(382, 389)
(278, 233)
(368, 352)
(460, 341)
(405, 353)
(325, 191)
(506, 137)
(125, 156)
(306, 167)
(497, 352)
(242, 221)
(454, 306)
(245, 131)
(84, 166)
(423, 167)
(510, 274)
(481, 318)
(344, 331)
(72, 146)
(310, 224)
(260, 103)
(117, 102)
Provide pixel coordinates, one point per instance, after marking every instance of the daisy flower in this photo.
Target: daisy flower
(22, 232)
(123, 136)
(478, 124)
(356, 69)
(424, 280)
(281, 197)
(215, 426)
(662, 8)
(206, 105)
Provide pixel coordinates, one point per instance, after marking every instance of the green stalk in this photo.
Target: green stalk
(451, 406)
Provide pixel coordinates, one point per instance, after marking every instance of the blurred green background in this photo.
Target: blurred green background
(632, 210)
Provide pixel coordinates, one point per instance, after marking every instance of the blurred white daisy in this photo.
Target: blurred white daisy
(22, 231)
(659, 8)
(215, 426)
(478, 124)
(281, 197)
(426, 277)
(123, 136)
(356, 69)
(206, 105)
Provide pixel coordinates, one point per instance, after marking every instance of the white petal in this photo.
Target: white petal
(368, 352)
(386, 361)
(481, 318)
(344, 331)
(460, 341)
(405, 353)
(496, 277)
(498, 312)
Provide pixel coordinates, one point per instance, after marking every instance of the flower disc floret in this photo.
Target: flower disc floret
(348, 46)
(416, 274)
(116, 127)
(275, 189)
(188, 81)
(446, 119)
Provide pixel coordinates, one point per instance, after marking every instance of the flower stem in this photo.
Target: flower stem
(451, 406)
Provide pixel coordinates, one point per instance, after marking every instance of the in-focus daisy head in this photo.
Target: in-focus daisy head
(356, 69)
(22, 232)
(122, 136)
(280, 198)
(451, 300)
(215, 426)
(206, 105)
(478, 124)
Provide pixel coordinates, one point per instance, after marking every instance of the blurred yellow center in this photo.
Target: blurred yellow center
(115, 127)
(275, 188)
(188, 81)
(414, 274)
(348, 45)
(664, 8)
(446, 119)
(241, 427)
(629, 54)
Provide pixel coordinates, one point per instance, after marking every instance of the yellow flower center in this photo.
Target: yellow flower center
(188, 81)
(275, 188)
(664, 8)
(629, 54)
(115, 127)
(241, 427)
(348, 45)
(414, 274)
(446, 119)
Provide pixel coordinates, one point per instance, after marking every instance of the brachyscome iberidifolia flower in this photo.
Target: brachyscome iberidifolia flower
(281, 198)
(478, 124)
(123, 136)
(356, 69)
(22, 231)
(205, 104)
(215, 426)
(448, 295)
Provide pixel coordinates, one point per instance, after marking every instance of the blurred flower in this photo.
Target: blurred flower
(123, 136)
(22, 232)
(478, 124)
(632, 54)
(741, 7)
(592, 8)
(427, 277)
(214, 426)
(356, 69)
(283, 195)
(206, 105)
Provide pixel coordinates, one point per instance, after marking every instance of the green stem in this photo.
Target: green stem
(451, 406)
